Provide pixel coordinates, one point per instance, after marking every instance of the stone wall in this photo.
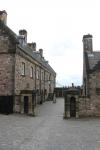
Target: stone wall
(84, 107)
(94, 83)
(24, 82)
(12, 81)
(6, 74)
(7, 61)
(89, 107)
(6, 45)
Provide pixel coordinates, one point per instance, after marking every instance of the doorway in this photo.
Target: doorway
(26, 104)
(6, 104)
(73, 107)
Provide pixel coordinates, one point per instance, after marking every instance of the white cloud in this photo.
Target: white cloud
(57, 26)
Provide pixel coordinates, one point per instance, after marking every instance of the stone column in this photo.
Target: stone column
(22, 104)
(77, 106)
(68, 107)
(14, 104)
(30, 111)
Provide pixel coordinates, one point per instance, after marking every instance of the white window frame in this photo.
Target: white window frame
(23, 69)
(37, 74)
(31, 72)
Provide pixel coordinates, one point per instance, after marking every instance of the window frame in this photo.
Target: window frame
(23, 69)
(31, 72)
(37, 74)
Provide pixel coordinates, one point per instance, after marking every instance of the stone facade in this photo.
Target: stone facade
(87, 103)
(6, 76)
(91, 77)
(24, 73)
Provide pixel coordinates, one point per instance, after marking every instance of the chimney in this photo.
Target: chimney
(3, 16)
(46, 62)
(32, 46)
(87, 43)
(23, 37)
(41, 52)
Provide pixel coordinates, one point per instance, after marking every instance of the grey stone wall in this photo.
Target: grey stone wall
(94, 83)
(84, 107)
(6, 74)
(23, 82)
(12, 82)
(28, 83)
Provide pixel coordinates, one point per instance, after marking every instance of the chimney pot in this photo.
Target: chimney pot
(3, 16)
(32, 45)
(41, 52)
(23, 33)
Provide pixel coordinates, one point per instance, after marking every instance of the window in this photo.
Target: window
(37, 74)
(31, 72)
(42, 76)
(47, 77)
(23, 68)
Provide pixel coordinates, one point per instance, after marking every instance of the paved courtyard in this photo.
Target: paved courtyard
(48, 131)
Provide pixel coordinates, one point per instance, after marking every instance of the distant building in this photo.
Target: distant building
(26, 78)
(59, 91)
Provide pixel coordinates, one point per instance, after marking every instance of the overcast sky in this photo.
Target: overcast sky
(57, 26)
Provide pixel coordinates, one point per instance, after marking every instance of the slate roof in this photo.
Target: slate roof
(13, 36)
(92, 61)
(36, 56)
(72, 90)
(87, 36)
(1, 12)
(33, 54)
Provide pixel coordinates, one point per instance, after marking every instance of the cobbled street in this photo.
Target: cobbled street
(49, 131)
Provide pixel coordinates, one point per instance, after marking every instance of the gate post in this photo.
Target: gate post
(77, 107)
(30, 105)
(22, 104)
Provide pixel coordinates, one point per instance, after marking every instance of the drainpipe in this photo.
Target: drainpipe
(14, 66)
(44, 85)
(40, 88)
(35, 84)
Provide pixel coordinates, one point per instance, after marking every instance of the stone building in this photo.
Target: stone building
(72, 102)
(26, 78)
(91, 76)
(86, 102)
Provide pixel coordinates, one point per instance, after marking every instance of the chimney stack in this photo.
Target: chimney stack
(87, 43)
(32, 46)
(3, 16)
(23, 37)
(41, 52)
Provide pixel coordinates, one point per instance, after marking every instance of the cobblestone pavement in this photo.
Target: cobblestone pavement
(48, 131)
